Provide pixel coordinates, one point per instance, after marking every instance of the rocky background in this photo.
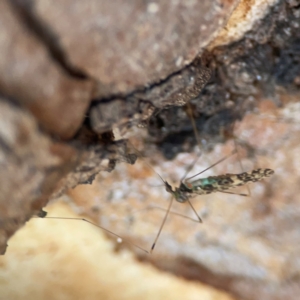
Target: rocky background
(80, 78)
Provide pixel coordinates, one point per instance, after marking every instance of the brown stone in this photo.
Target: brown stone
(32, 76)
(129, 44)
(73, 71)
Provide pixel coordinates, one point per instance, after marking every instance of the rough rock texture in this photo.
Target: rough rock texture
(38, 170)
(31, 76)
(56, 59)
(264, 64)
(246, 15)
(73, 72)
(157, 39)
(248, 246)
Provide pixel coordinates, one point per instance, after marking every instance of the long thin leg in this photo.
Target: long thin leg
(190, 115)
(108, 231)
(241, 194)
(170, 212)
(216, 163)
(198, 217)
(162, 225)
(189, 112)
(140, 154)
(191, 166)
(240, 162)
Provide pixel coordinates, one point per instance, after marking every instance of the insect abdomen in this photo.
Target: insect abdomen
(228, 181)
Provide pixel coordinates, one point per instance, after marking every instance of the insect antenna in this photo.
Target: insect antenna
(165, 183)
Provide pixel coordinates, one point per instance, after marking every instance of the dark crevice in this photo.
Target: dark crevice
(26, 12)
(198, 62)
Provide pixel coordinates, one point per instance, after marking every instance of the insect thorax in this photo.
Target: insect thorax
(183, 193)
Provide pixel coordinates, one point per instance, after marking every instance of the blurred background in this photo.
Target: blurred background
(97, 99)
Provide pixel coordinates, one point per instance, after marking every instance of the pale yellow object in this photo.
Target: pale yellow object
(51, 259)
(242, 20)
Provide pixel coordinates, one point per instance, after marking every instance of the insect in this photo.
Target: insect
(188, 189)
(212, 184)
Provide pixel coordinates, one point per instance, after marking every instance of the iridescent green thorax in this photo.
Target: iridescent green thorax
(213, 184)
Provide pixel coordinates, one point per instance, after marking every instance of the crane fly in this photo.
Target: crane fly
(189, 188)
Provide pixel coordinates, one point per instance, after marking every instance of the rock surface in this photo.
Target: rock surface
(75, 75)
